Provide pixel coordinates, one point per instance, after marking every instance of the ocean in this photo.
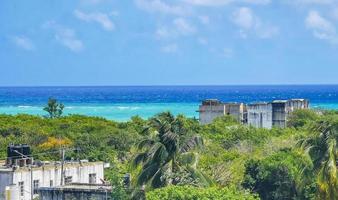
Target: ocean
(122, 102)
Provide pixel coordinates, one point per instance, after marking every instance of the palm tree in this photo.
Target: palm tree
(321, 146)
(167, 151)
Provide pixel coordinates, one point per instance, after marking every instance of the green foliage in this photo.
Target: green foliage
(300, 118)
(277, 177)
(54, 108)
(298, 162)
(194, 193)
(165, 153)
(321, 146)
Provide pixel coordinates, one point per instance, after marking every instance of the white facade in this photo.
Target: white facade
(209, 113)
(212, 109)
(46, 176)
(260, 115)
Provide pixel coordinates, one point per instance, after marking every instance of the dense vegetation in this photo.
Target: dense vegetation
(172, 157)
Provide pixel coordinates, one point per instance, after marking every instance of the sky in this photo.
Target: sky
(162, 42)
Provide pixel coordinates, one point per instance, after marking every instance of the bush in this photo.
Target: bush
(300, 118)
(193, 193)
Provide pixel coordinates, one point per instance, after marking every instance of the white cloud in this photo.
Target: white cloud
(321, 28)
(100, 18)
(158, 6)
(179, 27)
(170, 48)
(248, 22)
(66, 36)
(23, 42)
(244, 18)
(183, 27)
(224, 2)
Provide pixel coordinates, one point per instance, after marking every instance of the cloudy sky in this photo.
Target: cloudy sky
(162, 42)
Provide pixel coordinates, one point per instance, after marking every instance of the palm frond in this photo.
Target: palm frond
(160, 155)
(146, 143)
(192, 143)
(140, 158)
(147, 174)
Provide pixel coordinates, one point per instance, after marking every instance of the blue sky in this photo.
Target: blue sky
(162, 42)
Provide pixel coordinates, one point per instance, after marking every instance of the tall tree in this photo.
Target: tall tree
(166, 152)
(54, 108)
(321, 146)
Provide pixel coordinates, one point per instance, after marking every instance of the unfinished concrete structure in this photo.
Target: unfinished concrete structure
(260, 115)
(213, 108)
(281, 109)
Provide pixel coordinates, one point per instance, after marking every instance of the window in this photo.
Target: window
(51, 183)
(21, 186)
(68, 179)
(35, 186)
(92, 178)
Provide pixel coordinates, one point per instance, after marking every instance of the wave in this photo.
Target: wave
(24, 106)
(128, 107)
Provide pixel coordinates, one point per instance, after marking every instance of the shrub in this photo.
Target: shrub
(193, 193)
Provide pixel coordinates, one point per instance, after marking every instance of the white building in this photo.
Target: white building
(260, 115)
(213, 108)
(16, 179)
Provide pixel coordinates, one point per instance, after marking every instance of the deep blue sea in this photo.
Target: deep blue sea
(122, 102)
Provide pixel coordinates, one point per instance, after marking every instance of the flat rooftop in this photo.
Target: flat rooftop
(47, 164)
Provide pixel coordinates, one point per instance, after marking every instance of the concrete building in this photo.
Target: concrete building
(76, 191)
(20, 176)
(213, 108)
(260, 115)
(281, 109)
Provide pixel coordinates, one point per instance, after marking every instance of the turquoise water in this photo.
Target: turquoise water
(119, 112)
(122, 102)
(123, 112)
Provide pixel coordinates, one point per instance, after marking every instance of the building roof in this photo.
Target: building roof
(258, 103)
(280, 101)
(47, 165)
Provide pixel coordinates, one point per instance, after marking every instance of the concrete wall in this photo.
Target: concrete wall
(260, 115)
(236, 110)
(279, 114)
(79, 173)
(207, 113)
(210, 112)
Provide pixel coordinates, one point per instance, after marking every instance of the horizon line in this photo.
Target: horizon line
(164, 85)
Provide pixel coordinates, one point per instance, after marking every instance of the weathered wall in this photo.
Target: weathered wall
(207, 113)
(236, 110)
(279, 114)
(260, 115)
